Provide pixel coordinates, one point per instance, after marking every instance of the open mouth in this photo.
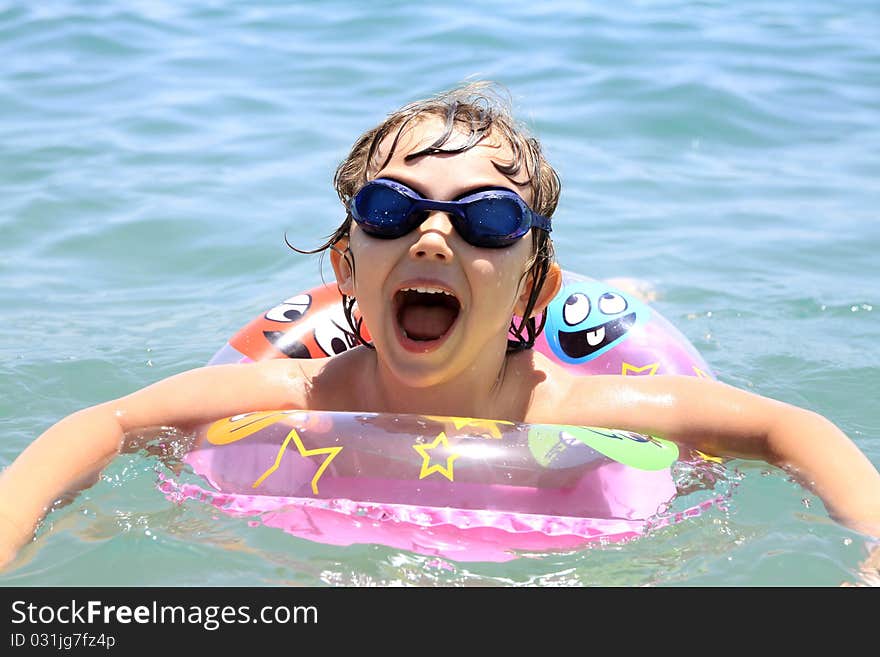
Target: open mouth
(425, 315)
(578, 344)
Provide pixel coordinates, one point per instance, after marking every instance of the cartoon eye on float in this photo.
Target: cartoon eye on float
(586, 319)
(576, 309)
(612, 304)
(332, 333)
(288, 339)
(290, 310)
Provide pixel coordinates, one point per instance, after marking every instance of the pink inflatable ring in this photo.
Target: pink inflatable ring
(466, 489)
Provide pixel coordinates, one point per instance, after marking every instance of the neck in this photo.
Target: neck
(471, 392)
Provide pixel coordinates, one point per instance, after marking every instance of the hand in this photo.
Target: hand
(869, 569)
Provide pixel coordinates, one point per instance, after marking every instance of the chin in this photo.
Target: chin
(413, 370)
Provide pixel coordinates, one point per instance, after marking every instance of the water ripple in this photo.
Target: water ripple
(152, 154)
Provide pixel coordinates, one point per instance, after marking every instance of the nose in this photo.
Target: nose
(433, 238)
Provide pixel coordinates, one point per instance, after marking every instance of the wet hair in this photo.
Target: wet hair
(474, 110)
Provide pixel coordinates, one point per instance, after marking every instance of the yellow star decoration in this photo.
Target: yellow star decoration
(330, 451)
(640, 371)
(446, 471)
(489, 426)
(708, 457)
(700, 373)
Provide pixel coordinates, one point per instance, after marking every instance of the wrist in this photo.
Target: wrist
(12, 533)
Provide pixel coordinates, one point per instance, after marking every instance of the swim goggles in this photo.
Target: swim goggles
(490, 218)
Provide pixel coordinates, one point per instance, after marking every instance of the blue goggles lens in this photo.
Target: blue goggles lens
(491, 219)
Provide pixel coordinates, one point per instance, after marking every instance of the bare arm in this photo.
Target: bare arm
(719, 419)
(71, 453)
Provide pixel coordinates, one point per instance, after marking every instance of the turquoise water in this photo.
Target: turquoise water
(152, 154)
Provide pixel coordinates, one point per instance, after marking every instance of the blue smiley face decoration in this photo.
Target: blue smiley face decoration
(588, 318)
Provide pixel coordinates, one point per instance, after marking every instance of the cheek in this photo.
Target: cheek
(502, 271)
(368, 255)
(359, 243)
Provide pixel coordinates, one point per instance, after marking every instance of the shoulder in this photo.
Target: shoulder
(339, 383)
(541, 389)
(623, 401)
(558, 395)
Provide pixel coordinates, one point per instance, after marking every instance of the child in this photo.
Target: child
(446, 239)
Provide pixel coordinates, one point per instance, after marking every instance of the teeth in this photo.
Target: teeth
(427, 290)
(595, 337)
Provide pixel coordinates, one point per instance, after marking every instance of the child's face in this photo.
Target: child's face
(428, 338)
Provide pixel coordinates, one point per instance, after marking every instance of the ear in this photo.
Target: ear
(551, 287)
(339, 258)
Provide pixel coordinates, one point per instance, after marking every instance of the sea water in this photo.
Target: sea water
(154, 154)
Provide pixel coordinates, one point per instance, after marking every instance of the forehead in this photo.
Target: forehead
(471, 168)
